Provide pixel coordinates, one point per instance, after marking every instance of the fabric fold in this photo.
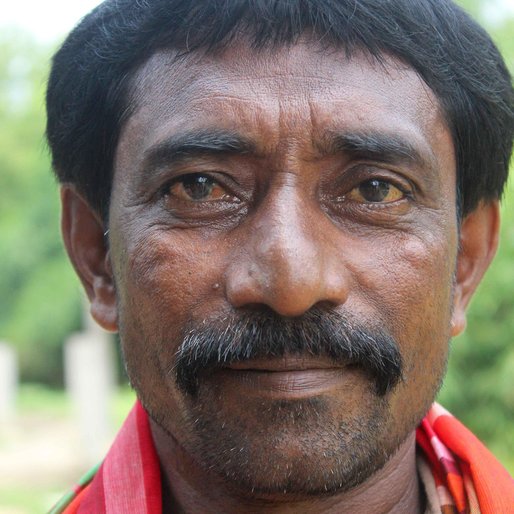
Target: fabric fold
(468, 478)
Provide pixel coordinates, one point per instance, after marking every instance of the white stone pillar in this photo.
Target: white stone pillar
(8, 381)
(90, 378)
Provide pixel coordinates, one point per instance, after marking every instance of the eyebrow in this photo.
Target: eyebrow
(377, 146)
(186, 145)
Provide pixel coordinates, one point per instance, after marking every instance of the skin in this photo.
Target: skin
(285, 227)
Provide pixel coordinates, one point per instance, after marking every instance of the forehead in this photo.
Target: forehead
(296, 94)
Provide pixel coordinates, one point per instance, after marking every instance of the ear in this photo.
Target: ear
(84, 239)
(478, 244)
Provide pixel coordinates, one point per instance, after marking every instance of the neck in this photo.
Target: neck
(188, 488)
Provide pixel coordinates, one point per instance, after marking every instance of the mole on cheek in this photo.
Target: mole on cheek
(416, 252)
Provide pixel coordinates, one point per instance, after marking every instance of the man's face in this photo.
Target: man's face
(273, 186)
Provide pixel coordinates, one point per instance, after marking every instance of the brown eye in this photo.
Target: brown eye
(198, 188)
(376, 191)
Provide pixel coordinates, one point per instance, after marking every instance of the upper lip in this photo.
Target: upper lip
(287, 363)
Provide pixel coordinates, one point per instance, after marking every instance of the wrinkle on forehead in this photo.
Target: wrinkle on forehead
(294, 92)
(285, 68)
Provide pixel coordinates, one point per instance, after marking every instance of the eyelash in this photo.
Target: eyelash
(361, 174)
(365, 173)
(165, 188)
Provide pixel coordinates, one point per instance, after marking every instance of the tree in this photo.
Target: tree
(39, 295)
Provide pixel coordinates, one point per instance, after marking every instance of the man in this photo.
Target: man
(284, 209)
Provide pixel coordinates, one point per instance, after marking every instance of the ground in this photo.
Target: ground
(40, 456)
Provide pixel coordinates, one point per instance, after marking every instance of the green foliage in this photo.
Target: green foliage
(39, 295)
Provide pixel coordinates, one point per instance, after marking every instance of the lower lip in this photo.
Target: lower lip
(289, 383)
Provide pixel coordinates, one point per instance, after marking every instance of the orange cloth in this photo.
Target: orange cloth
(469, 480)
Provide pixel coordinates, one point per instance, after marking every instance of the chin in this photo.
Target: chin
(294, 449)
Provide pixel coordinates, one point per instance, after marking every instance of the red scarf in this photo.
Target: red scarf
(468, 478)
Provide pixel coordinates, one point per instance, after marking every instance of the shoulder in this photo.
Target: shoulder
(70, 502)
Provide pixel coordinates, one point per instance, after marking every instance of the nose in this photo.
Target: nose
(287, 260)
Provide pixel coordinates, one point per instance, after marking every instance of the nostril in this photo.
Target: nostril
(288, 291)
(326, 305)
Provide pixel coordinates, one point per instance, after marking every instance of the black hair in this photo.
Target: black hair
(88, 97)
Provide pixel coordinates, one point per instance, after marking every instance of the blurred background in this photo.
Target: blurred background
(63, 393)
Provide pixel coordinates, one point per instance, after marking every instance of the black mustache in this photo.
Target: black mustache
(262, 334)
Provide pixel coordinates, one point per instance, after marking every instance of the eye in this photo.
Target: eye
(376, 191)
(197, 187)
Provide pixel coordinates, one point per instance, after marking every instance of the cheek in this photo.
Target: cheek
(428, 295)
(164, 281)
(418, 273)
(169, 273)
(428, 270)
(411, 291)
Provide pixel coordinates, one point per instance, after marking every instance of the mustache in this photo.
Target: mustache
(253, 335)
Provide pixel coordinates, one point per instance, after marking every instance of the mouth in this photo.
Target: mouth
(287, 377)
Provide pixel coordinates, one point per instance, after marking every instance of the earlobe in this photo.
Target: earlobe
(83, 235)
(479, 236)
(459, 319)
